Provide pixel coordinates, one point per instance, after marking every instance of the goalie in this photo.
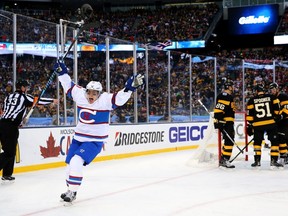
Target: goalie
(224, 114)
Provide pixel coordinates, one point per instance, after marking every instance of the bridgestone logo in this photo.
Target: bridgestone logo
(253, 20)
(138, 138)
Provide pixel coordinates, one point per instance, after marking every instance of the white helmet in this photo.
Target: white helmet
(94, 85)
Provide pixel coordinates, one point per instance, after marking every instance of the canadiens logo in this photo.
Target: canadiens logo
(138, 138)
(86, 116)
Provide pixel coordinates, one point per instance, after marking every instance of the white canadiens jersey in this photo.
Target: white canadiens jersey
(93, 119)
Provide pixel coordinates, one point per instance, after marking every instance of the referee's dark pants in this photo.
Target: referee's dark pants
(9, 134)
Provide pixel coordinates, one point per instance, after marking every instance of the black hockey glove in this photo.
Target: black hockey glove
(278, 118)
(250, 130)
(219, 124)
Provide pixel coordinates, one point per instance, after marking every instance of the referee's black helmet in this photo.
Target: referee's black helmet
(21, 83)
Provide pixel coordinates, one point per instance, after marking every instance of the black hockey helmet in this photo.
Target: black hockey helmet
(273, 85)
(21, 83)
(227, 84)
(259, 88)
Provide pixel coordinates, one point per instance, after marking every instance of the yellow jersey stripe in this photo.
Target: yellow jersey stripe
(261, 123)
(224, 102)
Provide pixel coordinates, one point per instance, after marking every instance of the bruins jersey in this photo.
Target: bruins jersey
(225, 107)
(262, 110)
(283, 98)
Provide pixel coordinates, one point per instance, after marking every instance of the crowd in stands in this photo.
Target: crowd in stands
(142, 25)
(37, 71)
(283, 27)
(157, 26)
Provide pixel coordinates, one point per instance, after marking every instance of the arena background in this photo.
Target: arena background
(177, 79)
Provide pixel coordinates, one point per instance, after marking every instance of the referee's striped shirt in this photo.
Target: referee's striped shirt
(16, 104)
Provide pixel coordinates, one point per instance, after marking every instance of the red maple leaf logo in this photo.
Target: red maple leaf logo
(51, 150)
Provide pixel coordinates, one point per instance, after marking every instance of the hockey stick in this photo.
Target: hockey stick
(223, 130)
(26, 118)
(242, 150)
(81, 27)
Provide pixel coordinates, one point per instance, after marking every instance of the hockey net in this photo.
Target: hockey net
(209, 149)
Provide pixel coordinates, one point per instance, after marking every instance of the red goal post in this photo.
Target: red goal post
(240, 138)
(209, 148)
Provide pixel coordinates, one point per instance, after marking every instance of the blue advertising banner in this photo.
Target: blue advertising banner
(51, 49)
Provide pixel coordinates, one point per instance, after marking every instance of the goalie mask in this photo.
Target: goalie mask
(228, 84)
(93, 91)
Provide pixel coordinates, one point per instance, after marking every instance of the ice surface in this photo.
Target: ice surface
(154, 185)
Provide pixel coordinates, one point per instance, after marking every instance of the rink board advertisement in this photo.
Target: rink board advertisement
(39, 146)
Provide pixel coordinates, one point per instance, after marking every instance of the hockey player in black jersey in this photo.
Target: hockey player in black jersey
(224, 115)
(263, 112)
(282, 123)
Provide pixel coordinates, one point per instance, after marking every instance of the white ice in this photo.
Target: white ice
(155, 185)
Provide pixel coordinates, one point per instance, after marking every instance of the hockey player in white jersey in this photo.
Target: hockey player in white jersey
(93, 108)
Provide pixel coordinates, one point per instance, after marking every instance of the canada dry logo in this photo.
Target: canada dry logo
(138, 138)
(51, 150)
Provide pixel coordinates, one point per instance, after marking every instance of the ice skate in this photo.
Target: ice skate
(8, 179)
(225, 163)
(256, 165)
(283, 160)
(68, 197)
(63, 195)
(275, 165)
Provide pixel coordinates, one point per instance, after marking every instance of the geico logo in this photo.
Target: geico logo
(253, 20)
(182, 134)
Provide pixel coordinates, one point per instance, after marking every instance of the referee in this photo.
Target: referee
(15, 106)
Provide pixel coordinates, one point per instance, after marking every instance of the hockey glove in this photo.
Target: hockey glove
(278, 118)
(134, 82)
(60, 68)
(249, 130)
(219, 124)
